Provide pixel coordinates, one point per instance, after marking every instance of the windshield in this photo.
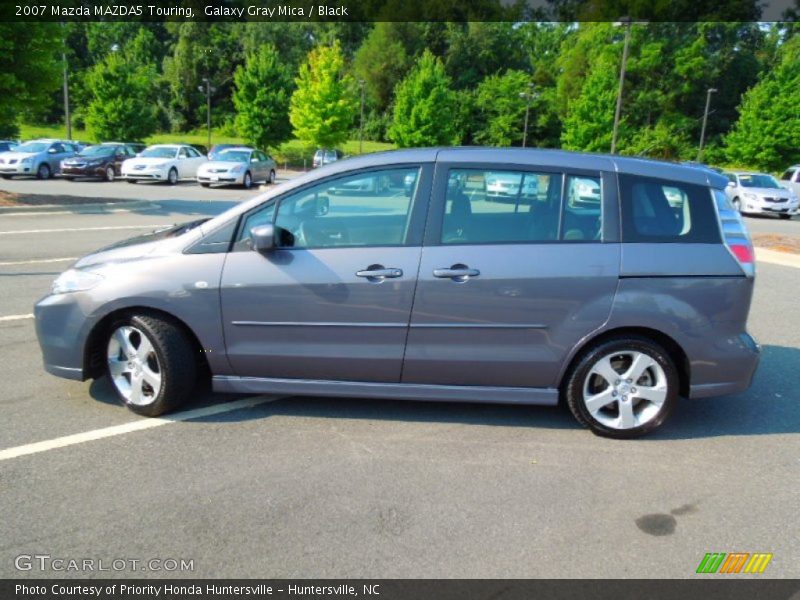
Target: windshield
(234, 156)
(758, 181)
(97, 151)
(160, 152)
(32, 147)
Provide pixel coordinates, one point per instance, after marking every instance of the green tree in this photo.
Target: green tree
(503, 109)
(324, 105)
(426, 109)
(121, 107)
(31, 70)
(381, 61)
(261, 97)
(767, 132)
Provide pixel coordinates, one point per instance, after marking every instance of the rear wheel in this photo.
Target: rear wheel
(623, 388)
(43, 172)
(150, 363)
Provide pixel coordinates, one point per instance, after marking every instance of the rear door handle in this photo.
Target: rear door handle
(458, 272)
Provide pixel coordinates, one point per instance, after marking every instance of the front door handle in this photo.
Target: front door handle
(377, 273)
(458, 272)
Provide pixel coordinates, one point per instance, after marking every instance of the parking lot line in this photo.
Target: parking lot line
(70, 229)
(16, 317)
(37, 261)
(138, 425)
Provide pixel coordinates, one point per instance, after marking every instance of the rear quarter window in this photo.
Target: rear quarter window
(663, 211)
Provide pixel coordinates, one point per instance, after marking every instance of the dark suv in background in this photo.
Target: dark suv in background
(409, 283)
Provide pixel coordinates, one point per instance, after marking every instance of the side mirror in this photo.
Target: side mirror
(254, 159)
(51, 151)
(731, 184)
(263, 237)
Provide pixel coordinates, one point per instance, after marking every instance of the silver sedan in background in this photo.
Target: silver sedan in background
(239, 165)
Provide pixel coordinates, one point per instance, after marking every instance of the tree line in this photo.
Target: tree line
(420, 84)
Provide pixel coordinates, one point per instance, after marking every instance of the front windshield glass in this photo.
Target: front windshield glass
(758, 181)
(234, 156)
(160, 152)
(32, 147)
(93, 151)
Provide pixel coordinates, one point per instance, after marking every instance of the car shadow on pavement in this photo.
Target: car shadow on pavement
(770, 406)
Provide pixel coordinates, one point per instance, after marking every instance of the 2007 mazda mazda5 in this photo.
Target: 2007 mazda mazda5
(479, 275)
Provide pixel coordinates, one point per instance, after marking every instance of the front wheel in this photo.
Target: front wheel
(43, 172)
(272, 177)
(172, 176)
(247, 181)
(110, 174)
(150, 363)
(737, 204)
(623, 388)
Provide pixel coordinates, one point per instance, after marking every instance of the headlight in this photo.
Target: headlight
(237, 169)
(27, 161)
(74, 280)
(750, 196)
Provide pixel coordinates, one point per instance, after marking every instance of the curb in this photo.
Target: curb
(78, 208)
(774, 257)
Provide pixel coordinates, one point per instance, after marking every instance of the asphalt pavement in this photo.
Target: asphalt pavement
(309, 487)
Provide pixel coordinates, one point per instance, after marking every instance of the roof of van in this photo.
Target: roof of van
(546, 158)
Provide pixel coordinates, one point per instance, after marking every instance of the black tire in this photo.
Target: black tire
(177, 362)
(271, 177)
(131, 180)
(205, 184)
(172, 176)
(247, 180)
(43, 172)
(573, 387)
(737, 205)
(787, 217)
(7, 176)
(110, 174)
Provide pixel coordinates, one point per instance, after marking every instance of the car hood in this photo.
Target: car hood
(85, 159)
(140, 246)
(772, 192)
(221, 164)
(146, 160)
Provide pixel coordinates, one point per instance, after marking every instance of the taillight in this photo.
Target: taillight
(744, 252)
(735, 234)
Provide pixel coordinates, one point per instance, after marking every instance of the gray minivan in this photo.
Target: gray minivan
(430, 291)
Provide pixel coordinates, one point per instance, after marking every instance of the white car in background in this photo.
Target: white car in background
(505, 187)
(760, 193)
(238, 165)
(163, 162)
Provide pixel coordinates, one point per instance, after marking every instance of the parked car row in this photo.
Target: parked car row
(134, 162)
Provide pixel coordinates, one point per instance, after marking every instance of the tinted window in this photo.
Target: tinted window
(657, 210)
(497, 206)
(787, 176)
(367, 209)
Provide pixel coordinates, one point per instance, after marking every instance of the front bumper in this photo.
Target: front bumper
(17, 169)
(769, 208)
(93, 171)
(62, 328)
(226, 177)
(147, 174)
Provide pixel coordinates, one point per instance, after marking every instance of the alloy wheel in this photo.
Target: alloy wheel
(133, 365)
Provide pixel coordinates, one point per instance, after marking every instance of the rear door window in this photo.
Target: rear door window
(656, 210)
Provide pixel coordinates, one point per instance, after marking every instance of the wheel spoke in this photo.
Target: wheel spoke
(641, 362)
(144, 349)
(655, 395)
(117, 368)
(626, 419)
(152, 378)
(136, 388)
(598, 401)
(604, 369)
(122, 335)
